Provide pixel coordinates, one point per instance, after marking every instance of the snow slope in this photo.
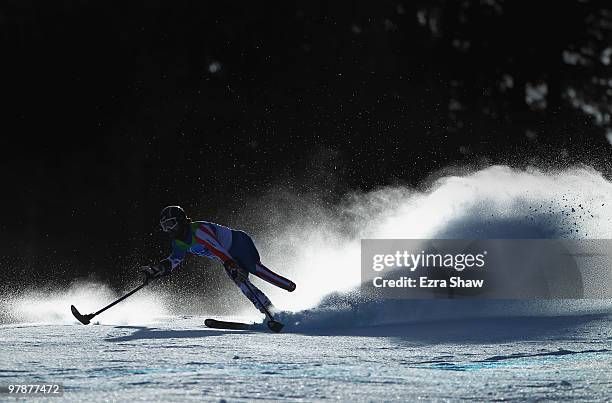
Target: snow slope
(177, 359)
(337, 344)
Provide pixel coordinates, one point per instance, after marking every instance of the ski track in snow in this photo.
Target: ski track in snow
(338, 345)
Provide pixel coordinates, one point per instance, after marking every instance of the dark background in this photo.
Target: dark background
(114, 109)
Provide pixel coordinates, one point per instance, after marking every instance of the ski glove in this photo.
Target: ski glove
(154, 271)
(235, 272)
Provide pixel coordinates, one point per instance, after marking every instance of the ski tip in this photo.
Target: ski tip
(84, 319)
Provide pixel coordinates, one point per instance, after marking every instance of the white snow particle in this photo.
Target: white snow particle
(507, 82)
(605, 56)
(535, 95)
(214, 67)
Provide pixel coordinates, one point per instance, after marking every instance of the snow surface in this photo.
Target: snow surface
(177, 358)
(338, 345)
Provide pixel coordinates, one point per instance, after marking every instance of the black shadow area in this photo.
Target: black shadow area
(151, 333)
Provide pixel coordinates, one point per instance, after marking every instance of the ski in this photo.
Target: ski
(221, 324)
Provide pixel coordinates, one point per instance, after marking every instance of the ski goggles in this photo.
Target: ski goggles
(168, 224)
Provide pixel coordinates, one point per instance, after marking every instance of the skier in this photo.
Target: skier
(234, 249)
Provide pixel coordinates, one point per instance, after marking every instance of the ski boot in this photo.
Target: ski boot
(275, 325)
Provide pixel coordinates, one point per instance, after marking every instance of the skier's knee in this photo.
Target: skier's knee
(237, 274)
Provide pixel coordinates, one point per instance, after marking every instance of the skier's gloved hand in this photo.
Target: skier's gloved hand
(154, 271)
(236, 273)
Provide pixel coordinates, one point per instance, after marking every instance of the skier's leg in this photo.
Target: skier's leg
(254, 294)
(268, 275)
(257, 297)
(244, 251)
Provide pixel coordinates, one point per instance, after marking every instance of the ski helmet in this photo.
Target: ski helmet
(172, 218)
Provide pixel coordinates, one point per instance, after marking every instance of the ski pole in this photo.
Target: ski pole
(85, 319)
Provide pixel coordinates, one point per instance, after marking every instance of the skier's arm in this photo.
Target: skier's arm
(174, 259)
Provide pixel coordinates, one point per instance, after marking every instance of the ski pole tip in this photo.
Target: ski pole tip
(84, 319)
